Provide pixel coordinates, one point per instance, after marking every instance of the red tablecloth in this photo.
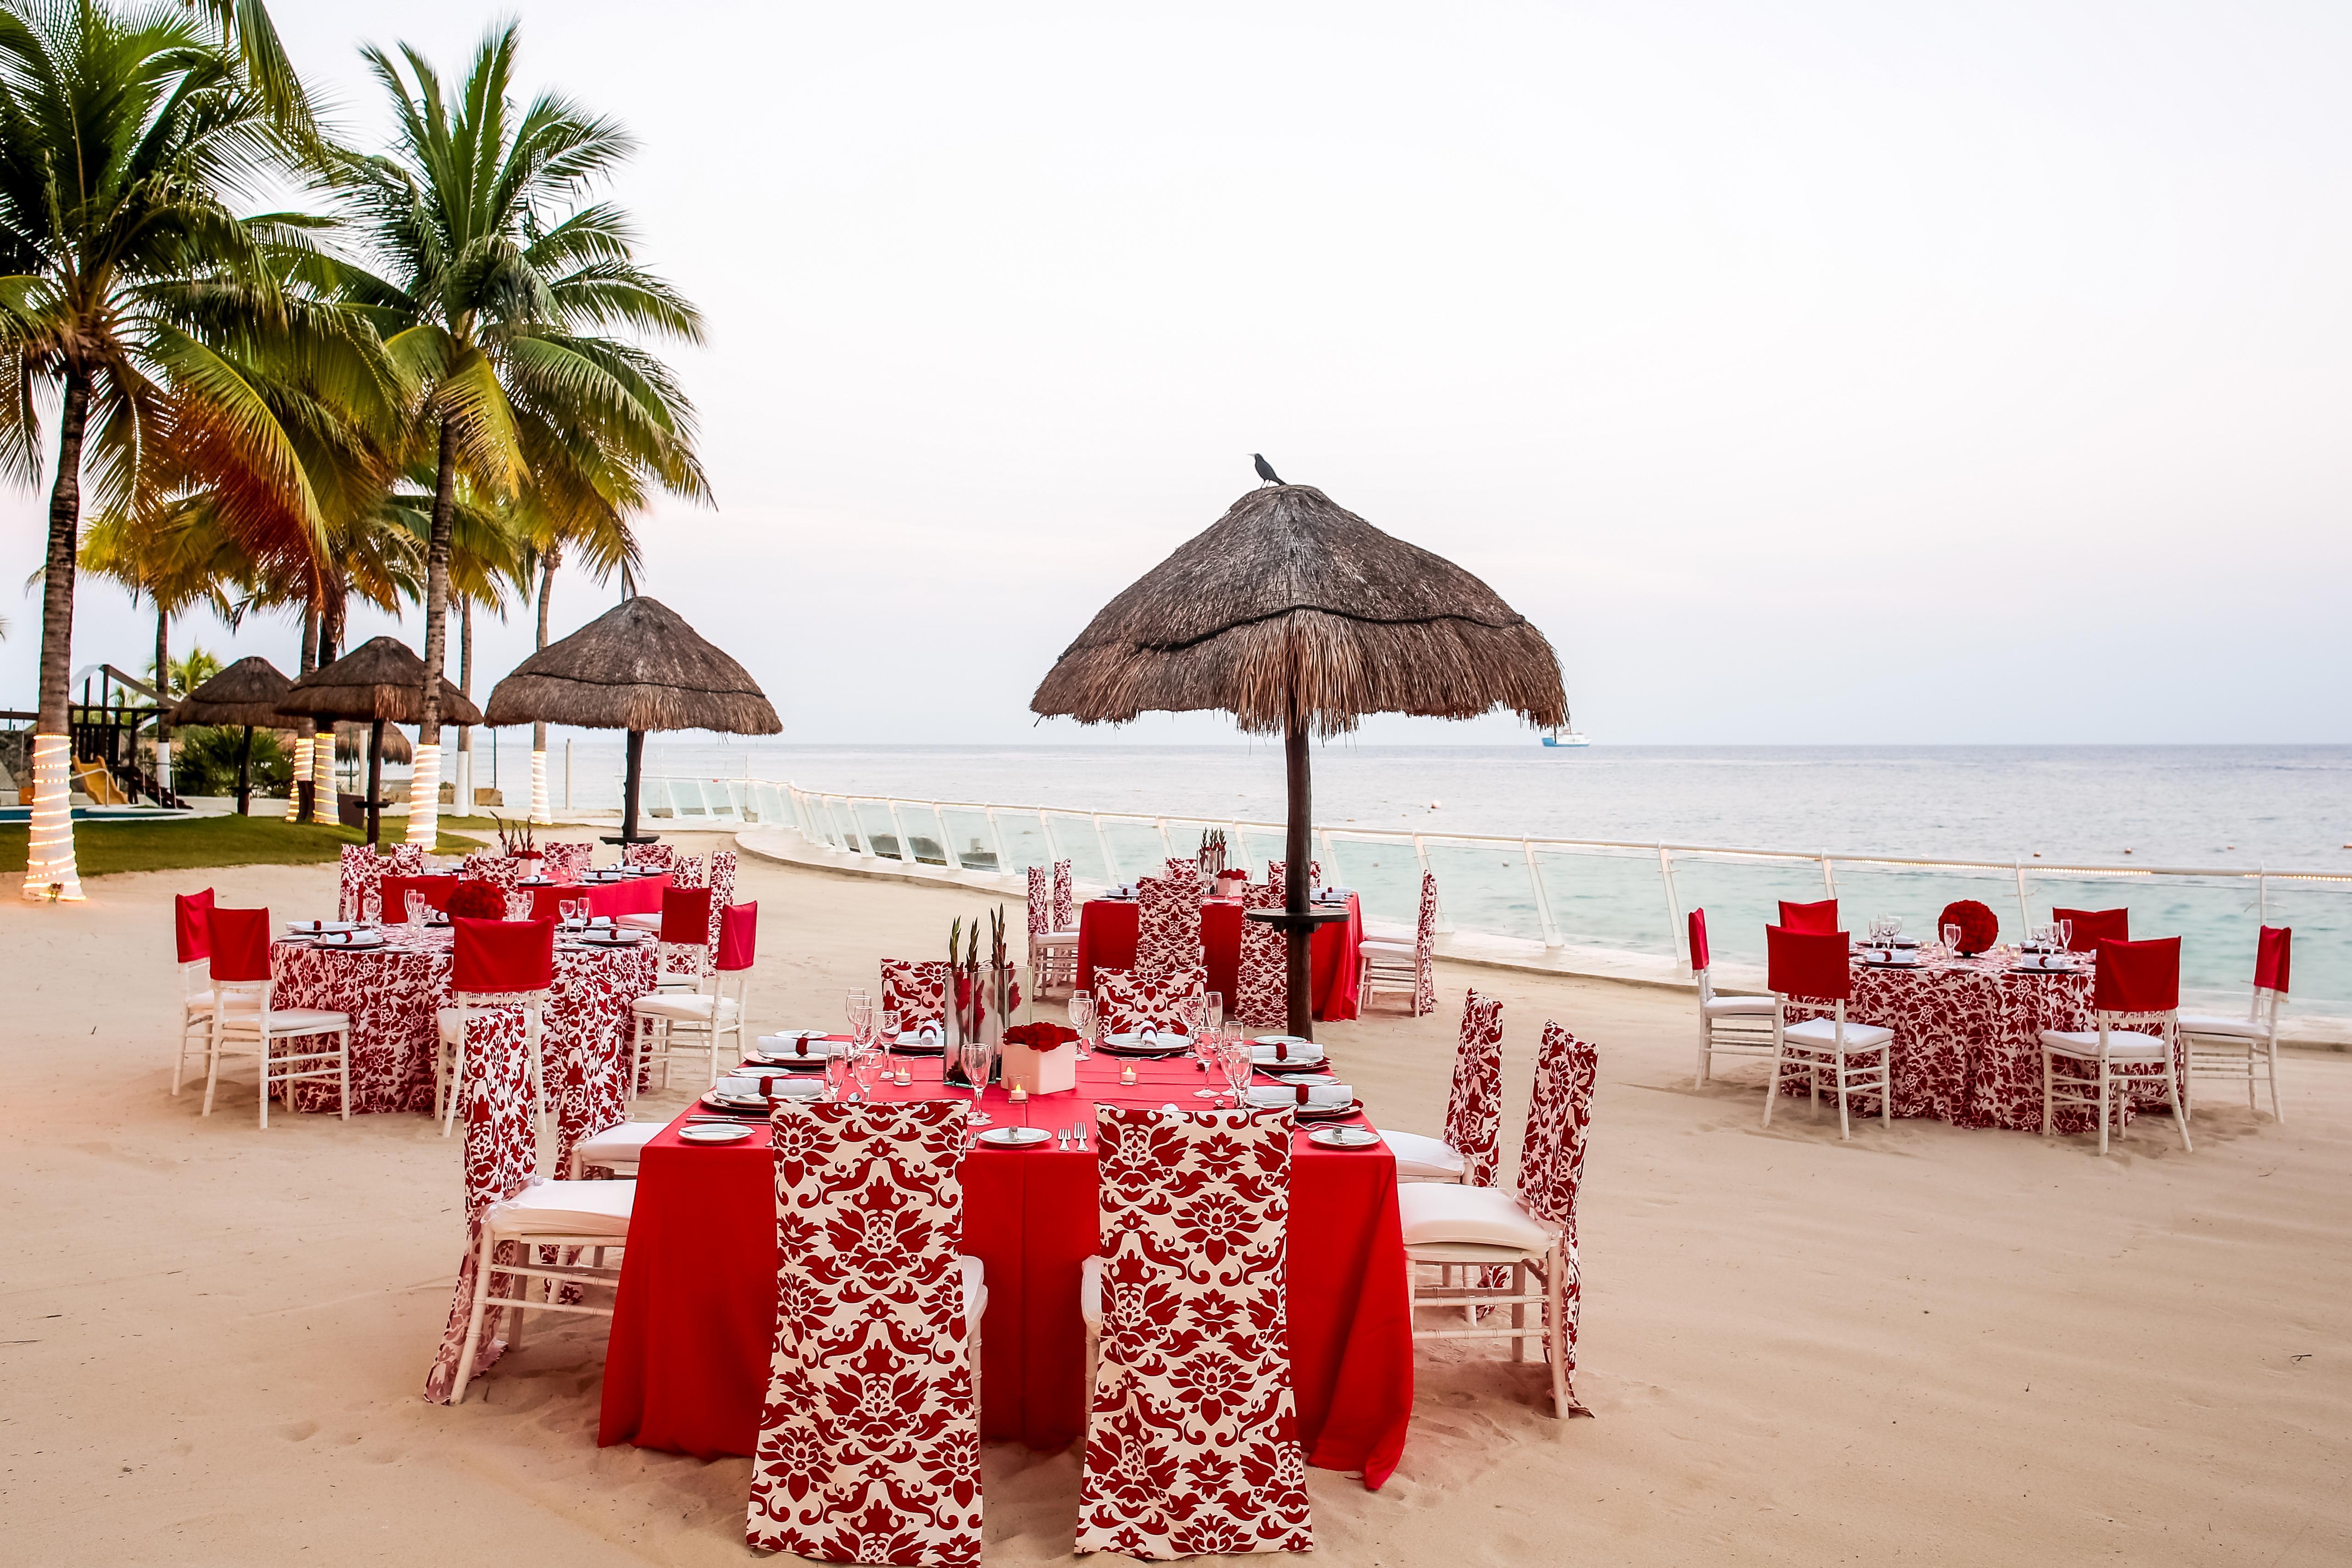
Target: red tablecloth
(1107, 928)
(687, 1364)
(639, 896)
(1968, 1039)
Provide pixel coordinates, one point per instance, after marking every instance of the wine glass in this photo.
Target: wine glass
(865, 1068)
(1082, 1019)
(977, 1059)
(575, 912)
(1952, 940)
(1213, 1011)
(858, 1008)
(2065, 929)
(1894, 928)
(519, 905)
(885, 1034)
(1233, 1055)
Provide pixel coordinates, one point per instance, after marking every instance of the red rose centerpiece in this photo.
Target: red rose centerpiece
(1979, 927)
(1042, 1057)
(475, 899)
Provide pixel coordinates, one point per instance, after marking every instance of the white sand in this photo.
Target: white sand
(1929, 1345)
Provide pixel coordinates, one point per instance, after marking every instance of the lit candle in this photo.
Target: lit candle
(1020, 1093)
(1127, 1073)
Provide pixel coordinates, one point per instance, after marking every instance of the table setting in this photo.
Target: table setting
(1109, 928)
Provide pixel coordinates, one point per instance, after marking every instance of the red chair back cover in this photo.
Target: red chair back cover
(503, 955)
(2271, 952)
(1807, 964)
(2138, 976)
(1261, 968)
(494, 1106)
(1128, 999)
(916, 990)
(1552, 1160)
(870, 1440)
(1167, 925)
(2089, 928)
(435, 889)
(1700, 956)
(240, 943)
(1811, 918)
(191, 915)
(686, 916)
(1191, 1442)
(1474, 1109)
(1065, 900)
(739, 936)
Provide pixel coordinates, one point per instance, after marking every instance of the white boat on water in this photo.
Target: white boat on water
(1567, 737)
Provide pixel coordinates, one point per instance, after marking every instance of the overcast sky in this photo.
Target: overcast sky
(1821, 372)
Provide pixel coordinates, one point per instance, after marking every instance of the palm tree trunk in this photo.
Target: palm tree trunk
(466, 686)
(49, 858)
(539, 810)
(301, 804)
(325, 807)
(162, 698)
(425, 784)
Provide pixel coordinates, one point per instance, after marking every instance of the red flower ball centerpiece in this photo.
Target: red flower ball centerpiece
(1979, 927)
(477, 899)
(1043, 1035)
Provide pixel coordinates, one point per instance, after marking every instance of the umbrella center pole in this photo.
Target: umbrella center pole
(376, 780)
(1294, 889)
(629, 787)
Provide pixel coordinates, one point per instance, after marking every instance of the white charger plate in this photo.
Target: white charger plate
(1015, 1137)
(1343, 1137)
(707, 1133)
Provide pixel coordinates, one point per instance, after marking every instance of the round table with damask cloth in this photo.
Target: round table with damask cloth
(1968, 1038)
(394, 992)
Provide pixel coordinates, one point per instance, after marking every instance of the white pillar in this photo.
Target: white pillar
(539, 785)
(425, 798)
(466, 782)
(49, 851)
(302, 771)
(322, 776)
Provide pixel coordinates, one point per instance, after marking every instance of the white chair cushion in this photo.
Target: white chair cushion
(2235, 1029)
(1405, 951)
(1438, 1213)
(200, 1002)
(1402, 936)
(649, 921)
(1821, 1034)
(238, 1019)
(975, 1292)
(1741, 1007)
(566, 1208)
(2121, 1046)
(1090, 1293)
(691, 1007)
(1429, 1159)
(1055, 939)
(623, 1145)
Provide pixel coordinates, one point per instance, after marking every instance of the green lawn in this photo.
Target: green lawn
(104, 848)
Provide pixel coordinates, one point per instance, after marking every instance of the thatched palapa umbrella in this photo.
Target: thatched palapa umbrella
(378, 682)
(248, 692)
(638, 667)
(351, 740)
(1296, 616)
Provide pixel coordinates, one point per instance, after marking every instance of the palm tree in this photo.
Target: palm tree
(493, 288)
(123, 141)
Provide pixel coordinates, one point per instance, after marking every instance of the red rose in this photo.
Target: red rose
(477, 899)
(1043, 1035)
(1979, 927)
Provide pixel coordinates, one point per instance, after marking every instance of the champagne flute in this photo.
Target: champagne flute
(1212, 1014)
(2065, 936)
(1082, 1019)
(1952, 940)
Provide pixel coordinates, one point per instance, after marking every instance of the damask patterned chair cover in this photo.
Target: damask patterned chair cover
(1167, 925)
(504, 872)
(1065, 900)
(362, 895)
(1186, 872)
(408, 859)
(502, 1153)
(1260, 996)
(723, 889)
(1191, 1443)
(1472, 1150)
(565, 862)
(869, 1441)
(1394, 965)
(917, 990)
(659, 857)
(1052, 950)
(1551, 1166)
(1277, 877)
(1128, 1001)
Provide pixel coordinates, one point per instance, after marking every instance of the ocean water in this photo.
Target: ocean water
(2281, 809)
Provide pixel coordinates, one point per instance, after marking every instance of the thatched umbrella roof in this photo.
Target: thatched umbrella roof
(351, 744)
(639, 668)
(378, 679)
(248, 692)
(1290, 606)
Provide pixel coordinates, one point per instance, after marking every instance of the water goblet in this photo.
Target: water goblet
(1082, 1019)
(1952, 940)
(1233, 1055)
(1894, 928)
(977, 1059)
(415, 904)
(866, 1068)
(858, 1007)
(519, 905)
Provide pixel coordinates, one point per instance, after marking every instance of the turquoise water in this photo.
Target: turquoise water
(2284, 808)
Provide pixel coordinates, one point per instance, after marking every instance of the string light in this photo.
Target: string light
(322, 777)
(425, 798)
(539, 786)
(49, 848)
(294, 780)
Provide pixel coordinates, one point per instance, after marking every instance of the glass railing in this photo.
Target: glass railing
(1590, 897)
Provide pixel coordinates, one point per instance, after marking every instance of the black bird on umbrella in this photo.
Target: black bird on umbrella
(1265, 469)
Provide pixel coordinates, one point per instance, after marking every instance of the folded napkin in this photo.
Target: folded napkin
(799, 1042)
(1272, 1096)
(1284, 1048)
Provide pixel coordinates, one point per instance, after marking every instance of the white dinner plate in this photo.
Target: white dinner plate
(1015, 1137)
(706, 1133)
(1343, 1137)
(1140, 1044)
(729, 1102)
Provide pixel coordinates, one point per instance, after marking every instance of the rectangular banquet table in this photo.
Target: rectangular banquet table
(1968, 1038)
(694, 1323)
(1107, 928)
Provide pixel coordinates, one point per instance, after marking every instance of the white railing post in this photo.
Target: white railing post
(1421, 860)
(1331, 858)
(1102, 843)
(2262, 897)
(1543, 900)
(1677, 939)
(1167, 844)
(948, 850)
(906, 846)
(2024, 909)
(1829, 877)
(996, 837)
